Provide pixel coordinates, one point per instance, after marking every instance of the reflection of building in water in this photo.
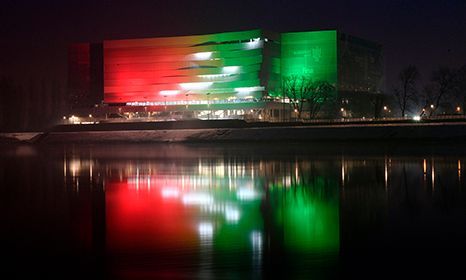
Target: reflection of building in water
(253, 211)
(215, 205)
(308, 215)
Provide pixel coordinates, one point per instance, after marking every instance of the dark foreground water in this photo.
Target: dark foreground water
(225, 211)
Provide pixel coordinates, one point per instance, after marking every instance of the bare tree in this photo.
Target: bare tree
(296, 88)
(442, 87)
(322, 94)
(406, 93)
(302, 89)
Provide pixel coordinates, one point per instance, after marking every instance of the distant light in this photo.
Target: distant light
(296, 110)
(417, 118)
(458, 109)
(191, 86)
(385, 108)
(432, 106)
(64, 117)
(74, 120)
(169, 92)
(342, 109)
(230, 69)
(203, 55)
(90, 115)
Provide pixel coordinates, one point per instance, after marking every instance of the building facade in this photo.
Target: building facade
(223, 75)
(85, 75)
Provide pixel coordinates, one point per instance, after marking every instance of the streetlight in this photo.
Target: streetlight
(385, 108)
(432, 106)
(342, 110)
(423, 112)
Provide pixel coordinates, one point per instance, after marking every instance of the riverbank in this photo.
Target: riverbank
(214, 131)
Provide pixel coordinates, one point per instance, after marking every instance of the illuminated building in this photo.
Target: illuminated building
(226, 75)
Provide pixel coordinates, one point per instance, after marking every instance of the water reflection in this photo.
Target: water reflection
(226, 210)
(201, 211)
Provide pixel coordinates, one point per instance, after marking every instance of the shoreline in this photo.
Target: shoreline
(237, 131)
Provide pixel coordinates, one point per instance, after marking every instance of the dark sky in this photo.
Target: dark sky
(34, 34)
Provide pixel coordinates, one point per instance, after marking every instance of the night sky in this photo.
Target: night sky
(35, 34)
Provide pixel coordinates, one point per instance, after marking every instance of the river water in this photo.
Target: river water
(233, 211)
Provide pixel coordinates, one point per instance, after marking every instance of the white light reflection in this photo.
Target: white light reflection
(90, 171)
(75, 167)
(206, 230)
(256, 241)
(432, 171)
(343, 174)
(170, 193)
(232, 214)
(246, 194)
(386, 173)
(459, 170)
(64, 168)
(197, 199)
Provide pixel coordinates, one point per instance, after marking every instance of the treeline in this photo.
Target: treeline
(444, 92)
(30, 106)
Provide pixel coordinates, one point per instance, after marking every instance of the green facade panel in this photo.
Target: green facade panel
(310, 54)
